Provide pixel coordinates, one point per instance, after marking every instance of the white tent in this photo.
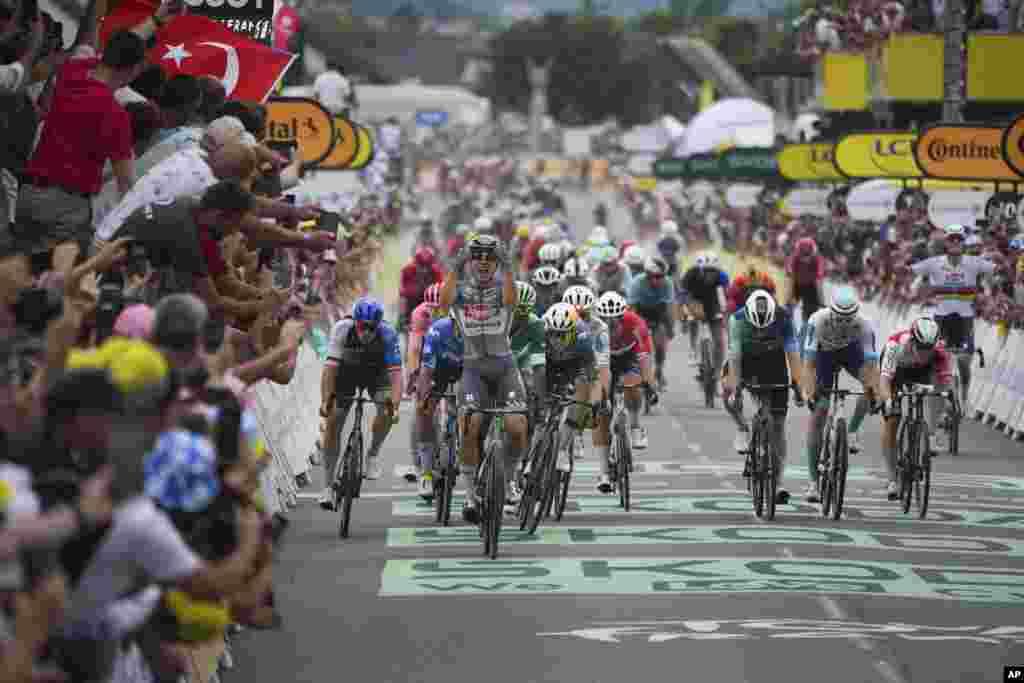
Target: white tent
(734, 122)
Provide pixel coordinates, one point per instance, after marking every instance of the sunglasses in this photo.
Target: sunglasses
(365, 326)
(484, 256)
(954, 238)
(562, 338)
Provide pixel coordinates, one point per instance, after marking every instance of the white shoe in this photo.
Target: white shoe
(578, 448)
(373, 469)
(514, 494)
(853, 441)
(427, 485)
(564, 464)
(892, 491)
(811, 493)
(604, 484)
(638, 437)
(741, 442)
(326, 499)
(937, 443)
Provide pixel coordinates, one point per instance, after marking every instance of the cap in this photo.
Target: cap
(181, 471)
(135, 322)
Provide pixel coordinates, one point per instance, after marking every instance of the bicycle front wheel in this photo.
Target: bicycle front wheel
(840, 464)
(707, 373)
(770, 458)
(351, 477)
(496, 498)
(824, 473)
(624, 463)
(923, 472)
(561, 489)
(756, 472)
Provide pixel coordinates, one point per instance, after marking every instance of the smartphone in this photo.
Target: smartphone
(329, 222)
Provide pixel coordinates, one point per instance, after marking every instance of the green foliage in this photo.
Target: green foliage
(662, 22)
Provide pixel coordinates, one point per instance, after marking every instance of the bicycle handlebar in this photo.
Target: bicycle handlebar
(840, 392)
(498, 411)
(925, 390)
(757, 388)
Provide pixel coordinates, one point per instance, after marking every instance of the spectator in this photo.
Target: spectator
(214, 97)
(334, 91)
(180, 101)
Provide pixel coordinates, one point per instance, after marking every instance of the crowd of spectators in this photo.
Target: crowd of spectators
(151, 274)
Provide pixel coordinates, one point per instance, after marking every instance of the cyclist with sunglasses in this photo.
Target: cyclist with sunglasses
(441, 368)
(952, 281)
(482, 303)
(652, 295)
(363, 353)
(422, 318)
(836, 338)
(527, 338)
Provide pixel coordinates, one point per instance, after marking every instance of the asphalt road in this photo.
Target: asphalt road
(687, 586)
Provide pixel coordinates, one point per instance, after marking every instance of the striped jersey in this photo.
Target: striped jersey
(956, 286)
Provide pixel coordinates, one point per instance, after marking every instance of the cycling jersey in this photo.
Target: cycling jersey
(900, 353)
(642, 293)
(484, 318)
(546, 297)
(701, 286)
(375, 355)
(589, 350)
(527, 337)
(747, 340)
(827, 332)
(668, 248)
(630, 335)
(443, 348)
(957, 285)
(414, 280)
(806, 272)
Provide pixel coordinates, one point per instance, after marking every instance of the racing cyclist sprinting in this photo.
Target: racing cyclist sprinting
(836, 338)
(363, 353)
(422, 318)
(482, 303)
(705, 287)
(630, 347)
(762, 350)
(652, 295)
(547, 283)
(527, 338)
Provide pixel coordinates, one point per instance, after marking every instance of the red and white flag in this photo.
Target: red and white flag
(198, 46)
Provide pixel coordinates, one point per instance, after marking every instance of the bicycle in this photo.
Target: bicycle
(834, 458)
(446, 454)
(762, 454)
(705, 369)
(347, 481)
(620, 455)
(913, 453)
(544, 482)
(490, 476)
(954, 417)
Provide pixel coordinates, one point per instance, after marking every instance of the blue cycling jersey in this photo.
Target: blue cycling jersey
(380, 351)
(591, 346)
(642, 293)
(442, 347)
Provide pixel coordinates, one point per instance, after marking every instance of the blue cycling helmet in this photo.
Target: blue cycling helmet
(368, 310)
(844, 301)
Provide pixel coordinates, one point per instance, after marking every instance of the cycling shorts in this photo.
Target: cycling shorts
(958, 332)
(495, 381)
(349, 383)
(626, 364)
(849, 358)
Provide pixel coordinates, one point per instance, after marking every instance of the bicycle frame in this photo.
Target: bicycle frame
(913, 466)
(833, 459)
(762, 481)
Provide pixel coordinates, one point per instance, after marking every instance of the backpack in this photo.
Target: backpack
(19, 122)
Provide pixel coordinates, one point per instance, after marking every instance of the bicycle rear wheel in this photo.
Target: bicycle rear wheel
(624, 463)
(768, 453)
(707, 373)
(840, 464)
(350, 479)
(923, 472)
(825, 472)
(955, 415)
(532, 505)
(561, 492)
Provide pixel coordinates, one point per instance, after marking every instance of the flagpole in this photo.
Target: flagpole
(279, 79)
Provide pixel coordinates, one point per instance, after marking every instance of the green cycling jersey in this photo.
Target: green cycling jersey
(527, 337)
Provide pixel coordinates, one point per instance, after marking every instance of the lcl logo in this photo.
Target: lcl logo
(894, 148)
(822, 156)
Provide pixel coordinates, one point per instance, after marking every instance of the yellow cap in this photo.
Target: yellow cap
(137, 366)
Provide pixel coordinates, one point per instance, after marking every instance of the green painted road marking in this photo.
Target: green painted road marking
(740, 504)
(693, 535)
(644, 576)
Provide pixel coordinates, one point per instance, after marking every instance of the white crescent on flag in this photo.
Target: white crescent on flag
(231, 71)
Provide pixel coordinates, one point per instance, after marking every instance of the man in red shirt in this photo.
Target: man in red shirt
(416, 276)
(806, 270)
(84, 127)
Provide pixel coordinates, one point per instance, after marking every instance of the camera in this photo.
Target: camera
(36, 308)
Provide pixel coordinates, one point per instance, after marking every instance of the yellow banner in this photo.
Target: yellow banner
(644, 183)
(878, 154)
(992, 63)
(808, 162)
(963, 152)
(912, 67)
(1013, 145)
(846, 81)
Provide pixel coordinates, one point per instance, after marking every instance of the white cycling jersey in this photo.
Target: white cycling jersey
(827, 332)
(957, 285)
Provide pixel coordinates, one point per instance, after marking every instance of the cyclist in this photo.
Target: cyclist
(482, 302)
(652, 295)
(836, 338)
(422, 318)
(363, 353)
(705, 287)
(953, 280)
(634, 258)
(913, 356)
(527, 338)
(806, 270)
(577, 355)
(416, 276)
(746, 284)
(630, 348)
(610, 274)
(441, 369)
(762, 350)
(575, 272)
(548, 283)
(550, 255)
(426, 237)
(669, 245)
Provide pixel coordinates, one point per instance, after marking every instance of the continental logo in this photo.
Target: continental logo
(940, 150)
(880, 154)
(963, 153)
(1012, 146)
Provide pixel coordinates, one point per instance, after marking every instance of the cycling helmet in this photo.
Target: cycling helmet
(702, 260)
(669, 228)
(549, 253)
(424, 257)
(844, 302)
(483, 244)
(545, 276)
(925, 332)
(523, 232)
(655, 265)
(611, 305)
(432, 296)
(806, 247)
(526, 295)
(575, 267)
(483, 224)
(634, 256)
(579, 296)
(760, 309)
(955, 230)
(367, 310)
(599, 235)
(560, 322)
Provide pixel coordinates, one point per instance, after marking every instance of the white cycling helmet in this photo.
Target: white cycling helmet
(760, 309)
(482, 224)
(844, 302)
(955, 230)
(545, 276)
(526, 294)
(579, 296)
(561, 318)
(634, 255)
(599, 235)
(575, 267)
(669, 228)
(611, 305)
(549, 253)
(925, 332)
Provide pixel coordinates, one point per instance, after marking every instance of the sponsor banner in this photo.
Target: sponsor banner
(877, 154)
(667, 630)
(807, 202)
(252, 18)
(673, 575)
(847, 81)
(912, 67)
(1013, 145)
(738, 163)
(346, 146)
(963, 152)
(946, 207)
(742, 195)
(302, 123)
(908, 541)
(809, 162)
(992, 63)
(1002, 207)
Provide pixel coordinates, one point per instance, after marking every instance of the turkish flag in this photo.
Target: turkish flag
(286, 24)
(195, 45)
(126, 15)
